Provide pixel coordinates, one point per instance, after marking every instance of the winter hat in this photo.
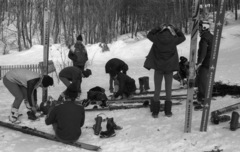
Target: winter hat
(204, 25)
(47, 81)
(87, 73)
(183, 59)
(72, 90)
(79, 38)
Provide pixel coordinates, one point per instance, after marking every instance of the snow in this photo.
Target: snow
(140, 133)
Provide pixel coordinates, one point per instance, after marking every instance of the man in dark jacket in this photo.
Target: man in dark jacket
(203, 61)
(72, 74)
(68, 117)
(163, 58)
(23, 84)
(126, 85)
(78, 54)
(115, 65)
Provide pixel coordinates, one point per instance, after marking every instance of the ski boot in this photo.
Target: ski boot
(234, 124)
(97, 127)
(32, 116)
(14, 115)
(110, 129)
(154, 108)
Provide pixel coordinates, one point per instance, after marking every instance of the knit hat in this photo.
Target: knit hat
(183, 59)
(79, 38)
(87, 73)
(72, 90)
(47, 81)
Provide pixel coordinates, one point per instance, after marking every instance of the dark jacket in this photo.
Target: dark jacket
(79, 56)
(69, 118)
(183, 70)
(71, 73)
(126, 84)
(163, 55)
(116, 65)
(204, 51)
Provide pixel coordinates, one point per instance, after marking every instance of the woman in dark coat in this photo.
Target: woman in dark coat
(163, 58)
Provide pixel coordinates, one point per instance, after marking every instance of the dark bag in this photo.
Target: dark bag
(97, 94)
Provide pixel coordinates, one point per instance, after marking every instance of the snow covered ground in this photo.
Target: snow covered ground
(140, 133)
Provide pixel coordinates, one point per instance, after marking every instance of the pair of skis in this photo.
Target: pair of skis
(213, 63)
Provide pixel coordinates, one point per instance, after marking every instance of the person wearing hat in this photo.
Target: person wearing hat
(183, 72)
(115, 65)
(163, 58)
(68, 117)
(71, 74)
(203, 62)
(23, 84)
(78, 54)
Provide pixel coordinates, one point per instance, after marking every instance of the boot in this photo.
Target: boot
(116, 127)
(14, 116)
(146, 83)
(97, 127)
(234, 124)
(32, 116)
(110, 129)
(141, 83)
(168, 108)
(155, 107)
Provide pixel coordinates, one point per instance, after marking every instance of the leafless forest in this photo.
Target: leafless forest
(97, 20)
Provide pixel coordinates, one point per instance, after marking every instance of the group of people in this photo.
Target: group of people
(68, 117)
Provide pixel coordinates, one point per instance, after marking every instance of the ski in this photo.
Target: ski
(192, 62)
(152, 92)
(35, 132)
(213, 63)
(122, 101)
(121, 107)
(46, 29)
(226, 109)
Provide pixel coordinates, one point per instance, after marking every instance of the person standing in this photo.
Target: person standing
(115, 66)
(203, 62)
(68, 117)
(23, 84)
(78, 54)
(163, 58)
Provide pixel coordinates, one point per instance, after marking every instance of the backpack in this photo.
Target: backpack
(97, 94)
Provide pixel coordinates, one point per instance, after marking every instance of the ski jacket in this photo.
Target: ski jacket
(29, 79)
(204, 50)
(71, 73)
(163, 54)
(79, 55)
(69, 117)
(116, 65)
(126, 84)
(184, 69)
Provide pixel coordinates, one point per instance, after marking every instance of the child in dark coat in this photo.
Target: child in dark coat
(68, 117)
(115, 65)
(126, 85)
(183, 72)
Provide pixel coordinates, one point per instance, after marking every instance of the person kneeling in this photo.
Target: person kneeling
(67, 118)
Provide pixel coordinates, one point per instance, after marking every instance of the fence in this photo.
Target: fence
(33, 67)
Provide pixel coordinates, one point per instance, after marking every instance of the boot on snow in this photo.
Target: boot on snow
(97, 127)
(14, 115)
(110, 132)
(155, 108)
(168, 108)
(234, 124)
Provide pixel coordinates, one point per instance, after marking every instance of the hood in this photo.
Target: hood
(165, 37)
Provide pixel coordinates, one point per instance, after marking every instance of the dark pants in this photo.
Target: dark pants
(129, 88)
(202, 83)
(59, 139)
(158, 77)
(111, 79)
(19, 92)
(81, 67)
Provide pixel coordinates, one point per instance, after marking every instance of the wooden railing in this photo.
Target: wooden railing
(33, 67)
